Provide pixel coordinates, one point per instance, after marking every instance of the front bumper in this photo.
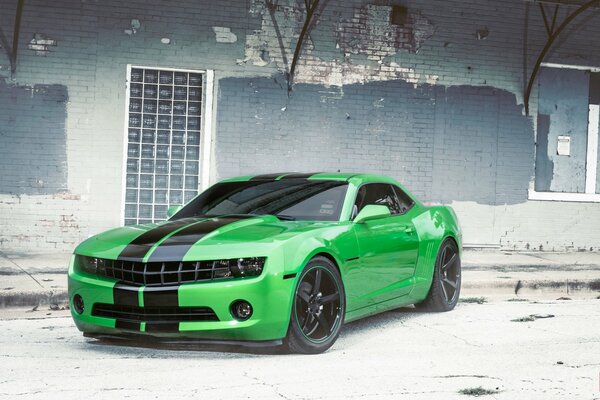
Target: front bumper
(269, 294)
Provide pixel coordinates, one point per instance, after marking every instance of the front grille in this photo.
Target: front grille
(154, 314)
(162, 273)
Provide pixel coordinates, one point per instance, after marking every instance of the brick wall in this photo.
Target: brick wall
(431, 105)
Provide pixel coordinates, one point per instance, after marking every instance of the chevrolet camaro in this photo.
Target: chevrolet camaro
(280, 259)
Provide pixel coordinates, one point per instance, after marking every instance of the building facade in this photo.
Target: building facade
(118, 110)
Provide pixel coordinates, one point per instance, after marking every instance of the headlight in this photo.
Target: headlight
(91, 265)
(87, 264)
(238, 267)
(248, 266)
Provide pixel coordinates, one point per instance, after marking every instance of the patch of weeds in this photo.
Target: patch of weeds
(517, 299)
(476, 300)
(478, 391)
(532, 317)
(528, 318)
(540, 316)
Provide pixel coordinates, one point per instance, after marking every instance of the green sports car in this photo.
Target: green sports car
(280, 259)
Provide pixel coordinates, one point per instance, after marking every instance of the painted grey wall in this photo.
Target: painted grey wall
(562, 111)
(33, 156)
(377, 127)
(459, 143)
(483, 142)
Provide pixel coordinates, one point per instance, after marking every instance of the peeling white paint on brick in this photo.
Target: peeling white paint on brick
(40, 43)
(262, 45)
(370, 32)
(223, 34)
(61, 223)
(432, 79)
(345, 72)
(256, 50)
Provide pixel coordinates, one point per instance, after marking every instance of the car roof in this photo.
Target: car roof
(355, 179)
(334, 176)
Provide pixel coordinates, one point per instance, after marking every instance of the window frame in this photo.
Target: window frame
(207, 130)
(352, 217)
(589, 195)
(412, 204)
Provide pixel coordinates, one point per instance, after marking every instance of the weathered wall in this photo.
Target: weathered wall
(426, 102)
(444, 143)
(379, 127)
(562, 111)
(33, 162)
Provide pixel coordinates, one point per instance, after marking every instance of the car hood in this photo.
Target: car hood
(171, 240)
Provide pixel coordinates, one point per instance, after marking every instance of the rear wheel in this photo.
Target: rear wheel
(445, 287)
(318, 308)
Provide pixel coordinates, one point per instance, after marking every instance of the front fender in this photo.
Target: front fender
(338, 242)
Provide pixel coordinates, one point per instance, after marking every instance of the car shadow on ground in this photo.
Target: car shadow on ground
(372, 324)
(156, 349)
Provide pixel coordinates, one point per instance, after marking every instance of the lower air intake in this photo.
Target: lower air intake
(154, 314)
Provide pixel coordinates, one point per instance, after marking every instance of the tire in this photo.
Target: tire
(318, 308)
(445, 287)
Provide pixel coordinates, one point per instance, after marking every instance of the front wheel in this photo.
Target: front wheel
(318, 308)
(445, 287)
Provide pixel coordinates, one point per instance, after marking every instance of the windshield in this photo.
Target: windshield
(292, 199)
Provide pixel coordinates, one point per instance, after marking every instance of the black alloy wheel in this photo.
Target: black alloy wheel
(445, 286)
(318, 308)
(450, 274)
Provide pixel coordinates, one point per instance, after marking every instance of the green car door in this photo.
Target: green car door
(388, 246)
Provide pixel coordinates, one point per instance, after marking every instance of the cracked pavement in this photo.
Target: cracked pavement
(398, 354)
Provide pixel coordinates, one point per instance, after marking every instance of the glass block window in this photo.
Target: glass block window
(163, 142)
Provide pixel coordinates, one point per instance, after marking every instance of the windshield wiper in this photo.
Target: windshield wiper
(284, 217)
(281, 217)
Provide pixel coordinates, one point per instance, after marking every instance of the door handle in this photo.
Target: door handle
(409, 230)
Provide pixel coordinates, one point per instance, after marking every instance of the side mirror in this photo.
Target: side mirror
(173, 210)
(372, 211)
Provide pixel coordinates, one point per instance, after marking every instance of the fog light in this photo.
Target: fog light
(78, 304)
(241, 310)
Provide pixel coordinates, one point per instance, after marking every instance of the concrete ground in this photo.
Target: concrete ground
(398, 354)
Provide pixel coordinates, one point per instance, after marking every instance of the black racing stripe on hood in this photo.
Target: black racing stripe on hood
(137, 249)
(268, 177)
(175, 247)
(300, 176)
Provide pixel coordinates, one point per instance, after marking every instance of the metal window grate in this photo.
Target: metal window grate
(163, 142)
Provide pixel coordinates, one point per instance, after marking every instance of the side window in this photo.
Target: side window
(405, 201)
(377, 194)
